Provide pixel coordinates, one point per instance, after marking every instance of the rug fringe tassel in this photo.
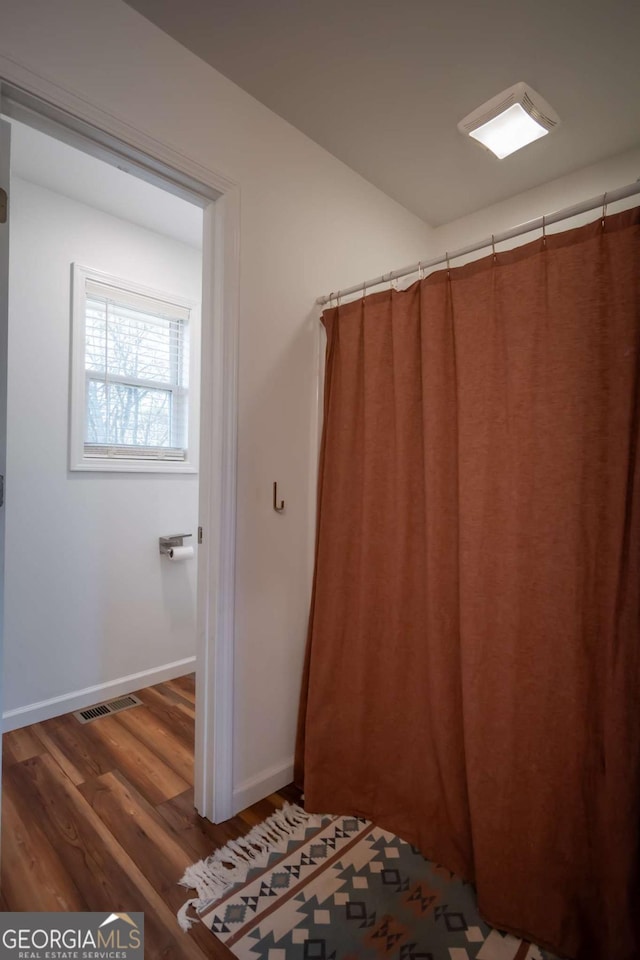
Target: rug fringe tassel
(185, 921)
(213, 877)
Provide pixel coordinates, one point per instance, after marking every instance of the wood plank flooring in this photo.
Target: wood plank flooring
(101, 817)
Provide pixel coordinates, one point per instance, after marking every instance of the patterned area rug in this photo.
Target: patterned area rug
(303, 887)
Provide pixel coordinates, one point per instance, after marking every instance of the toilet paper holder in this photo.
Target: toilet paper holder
(167, 544)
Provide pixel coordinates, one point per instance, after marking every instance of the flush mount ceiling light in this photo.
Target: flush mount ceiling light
(510, 120)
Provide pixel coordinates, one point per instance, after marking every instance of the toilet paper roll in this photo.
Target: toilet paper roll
(180, 553)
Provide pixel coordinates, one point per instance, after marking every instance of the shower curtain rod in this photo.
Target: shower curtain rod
(539, 223)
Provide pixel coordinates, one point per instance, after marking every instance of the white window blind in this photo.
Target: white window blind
(136, 375)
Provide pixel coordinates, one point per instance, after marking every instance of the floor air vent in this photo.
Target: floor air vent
(104, 709)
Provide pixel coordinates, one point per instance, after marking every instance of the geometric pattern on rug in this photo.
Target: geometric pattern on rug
(341, 888)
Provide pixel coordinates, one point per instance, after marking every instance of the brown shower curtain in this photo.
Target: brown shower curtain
(472, 679)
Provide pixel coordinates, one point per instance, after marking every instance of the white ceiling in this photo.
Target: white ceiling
(57, 166)
(382, 85)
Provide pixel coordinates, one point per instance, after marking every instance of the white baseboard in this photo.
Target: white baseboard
(79, 699)
(266, 782)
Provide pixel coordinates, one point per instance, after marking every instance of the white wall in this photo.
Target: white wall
(89, 600)
(308, 225)
(589, 182)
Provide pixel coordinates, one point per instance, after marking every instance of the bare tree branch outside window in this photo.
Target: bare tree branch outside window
(136, 376)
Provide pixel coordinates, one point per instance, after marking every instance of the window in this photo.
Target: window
(130, 395)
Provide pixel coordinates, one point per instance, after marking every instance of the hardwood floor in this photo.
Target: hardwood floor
(100, 817)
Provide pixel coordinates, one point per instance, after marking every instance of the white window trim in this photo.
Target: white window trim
(78, 459)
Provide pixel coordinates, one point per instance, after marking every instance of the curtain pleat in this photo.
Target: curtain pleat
(472, 679)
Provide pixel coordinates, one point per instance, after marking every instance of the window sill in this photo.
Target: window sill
(108, 465)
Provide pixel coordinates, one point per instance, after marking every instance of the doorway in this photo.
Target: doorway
(112, 265)
(89, 628)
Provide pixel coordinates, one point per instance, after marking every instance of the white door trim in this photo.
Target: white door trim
(218, 416)
(5, 169)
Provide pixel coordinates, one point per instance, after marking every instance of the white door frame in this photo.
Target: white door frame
(5, 167)
(103, 134)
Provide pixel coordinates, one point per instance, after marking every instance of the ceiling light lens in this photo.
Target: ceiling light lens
(509, 131)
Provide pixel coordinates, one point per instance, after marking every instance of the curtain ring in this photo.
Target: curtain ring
(493, 247)
(448, 266)
(544, 230)
(420, 274)
(604, 210)
(338, 299)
